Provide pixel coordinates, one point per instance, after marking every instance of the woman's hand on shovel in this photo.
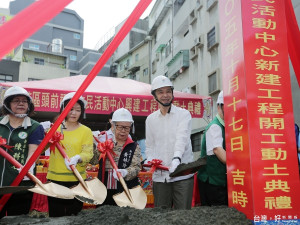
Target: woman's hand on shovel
(30, 170)
(123, 173)
(73, 161)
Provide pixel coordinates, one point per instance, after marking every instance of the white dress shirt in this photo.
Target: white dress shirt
(168, 136)
(214, 139)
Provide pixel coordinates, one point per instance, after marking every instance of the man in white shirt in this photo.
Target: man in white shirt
(168, 133)
(212, 177)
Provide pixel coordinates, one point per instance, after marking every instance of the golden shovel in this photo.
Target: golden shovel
(91, 191)
(134, 197)
(49, 189)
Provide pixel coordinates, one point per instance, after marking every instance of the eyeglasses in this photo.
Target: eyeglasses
(20, 101)
(120, 128)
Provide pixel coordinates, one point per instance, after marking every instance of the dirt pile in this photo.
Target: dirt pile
(111, 215)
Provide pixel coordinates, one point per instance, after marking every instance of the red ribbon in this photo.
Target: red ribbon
(155, 164)
(3, 142)
(104, 148)
(56, 138)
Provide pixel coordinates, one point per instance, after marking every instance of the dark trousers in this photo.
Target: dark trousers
(109, 198)
(18, 204)
(64, 207)
(211, 195)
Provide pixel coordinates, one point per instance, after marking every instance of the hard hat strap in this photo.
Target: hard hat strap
(16, 115)
(165, 104)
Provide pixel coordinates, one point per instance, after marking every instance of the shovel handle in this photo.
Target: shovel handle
(14, 162)
(75, 171)
(121, 179)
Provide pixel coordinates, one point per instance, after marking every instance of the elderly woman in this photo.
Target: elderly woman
(127, 156)
(24, 134)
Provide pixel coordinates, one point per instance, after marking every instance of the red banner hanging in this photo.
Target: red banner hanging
(262, 170)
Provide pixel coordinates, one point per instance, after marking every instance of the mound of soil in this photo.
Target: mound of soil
(111, 215)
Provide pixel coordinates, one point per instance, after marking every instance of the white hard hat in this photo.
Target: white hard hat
(159, 82)
(16, 90)
(220, 99)
(70, 96)
(122, 115)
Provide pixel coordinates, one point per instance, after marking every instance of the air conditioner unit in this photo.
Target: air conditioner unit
(199, 41)
(193, 53)
(192, 17)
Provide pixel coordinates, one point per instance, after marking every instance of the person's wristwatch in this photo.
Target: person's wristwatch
(177, 158)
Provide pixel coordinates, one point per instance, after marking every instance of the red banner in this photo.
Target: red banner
(262, 170)
(49, 101)
(106, 103)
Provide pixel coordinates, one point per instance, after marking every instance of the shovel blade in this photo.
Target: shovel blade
(53, 190)
(138, 195)
(96, 193)
(13, 189)
(188, 168)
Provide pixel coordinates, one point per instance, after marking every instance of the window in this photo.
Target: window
(211, 38)
(121, 66)
(34, 46)
(168, 48)
(73, 57)
(137, 57)
(39, 61)
(154, 66)
(212, 83)
(177, 5)
(210, 4)
(76, 36)
(196, 141)
(32, 79)
(145, 72)
(185, 33)
(6, 78)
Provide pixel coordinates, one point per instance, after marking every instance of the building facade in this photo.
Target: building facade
(183, 41)
(56, 50)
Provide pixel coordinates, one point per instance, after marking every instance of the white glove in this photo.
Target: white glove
(175, 163)
(30, 170)
(46, 125)
(123, 173)
(73, 161)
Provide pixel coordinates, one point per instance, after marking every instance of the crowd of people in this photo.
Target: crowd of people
(168, 133)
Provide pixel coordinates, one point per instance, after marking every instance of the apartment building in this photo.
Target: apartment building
(56, 50)
(183, 44)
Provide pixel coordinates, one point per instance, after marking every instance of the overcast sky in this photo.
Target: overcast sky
(100, 16)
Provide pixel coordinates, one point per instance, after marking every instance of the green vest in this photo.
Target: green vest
(18, 138)
(215, 170)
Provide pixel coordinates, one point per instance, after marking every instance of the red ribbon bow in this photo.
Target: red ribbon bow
(56, 138)
(3, 142)
(156, 164)
(103, 148)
